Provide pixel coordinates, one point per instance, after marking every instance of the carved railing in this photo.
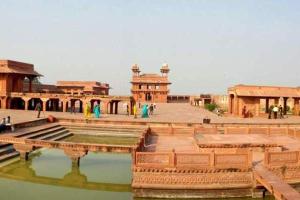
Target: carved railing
(242, 161)
(69, 145)
(267, 130)
(285, 158)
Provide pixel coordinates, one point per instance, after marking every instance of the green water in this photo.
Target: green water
(102, 139)
(48, 175)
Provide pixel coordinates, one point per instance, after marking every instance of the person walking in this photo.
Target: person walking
(244, 112)
(151, 108)
(281, 112)
(275, 111)
(127, 109)
(270, 110)
(38, 108)
(135, 111)
(97, 111)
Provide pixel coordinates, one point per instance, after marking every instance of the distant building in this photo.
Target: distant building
(83, 87)
(20, 89)
(150, 87)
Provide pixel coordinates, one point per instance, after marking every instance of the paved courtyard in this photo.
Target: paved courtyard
(173, 112)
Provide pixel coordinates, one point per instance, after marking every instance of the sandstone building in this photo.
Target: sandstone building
(150, 87)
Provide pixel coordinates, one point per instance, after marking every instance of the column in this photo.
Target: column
(104, 106)
(111, 107)
(26, 102)
(267, 105)
(64, 108)
(75, 156)
(236, 105)
(116, 107)
(257, 107)
(276, 101)
(296, 106)
(44, 100)
(285, 105)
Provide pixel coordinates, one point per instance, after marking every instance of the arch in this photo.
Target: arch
(33, 102)
(77, 105)
(52, 104)
(93, 103)
(17, 103)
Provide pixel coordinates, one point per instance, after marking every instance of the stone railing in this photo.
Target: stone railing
(242, 161)
(257, 130)
(284, 158)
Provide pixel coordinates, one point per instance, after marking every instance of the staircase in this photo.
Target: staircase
(7, 152)
(52, 132)
(107, 130)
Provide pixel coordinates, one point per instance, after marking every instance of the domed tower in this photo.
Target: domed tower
(165, 69)
(135, 70)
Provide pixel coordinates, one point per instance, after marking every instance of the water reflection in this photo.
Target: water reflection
(27, 171)
(49, 175)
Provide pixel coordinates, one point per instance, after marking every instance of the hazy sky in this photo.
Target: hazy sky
(209, 45)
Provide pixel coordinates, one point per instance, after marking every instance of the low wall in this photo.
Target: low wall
(161, 160)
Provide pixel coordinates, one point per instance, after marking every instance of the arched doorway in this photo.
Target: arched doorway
(17, 103)
(76, 105)
(52, 105)
(33, 102)
(94, 102)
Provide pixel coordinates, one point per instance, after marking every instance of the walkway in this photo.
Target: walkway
(277, 187)
(171, 112)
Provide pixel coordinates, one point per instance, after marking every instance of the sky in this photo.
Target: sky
(209, 45)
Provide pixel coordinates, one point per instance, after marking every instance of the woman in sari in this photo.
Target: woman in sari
(87, 110)
(145, 111)
(97, 111)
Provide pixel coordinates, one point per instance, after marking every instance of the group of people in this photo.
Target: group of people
(148, 110)
(5, 122)
(88, 110)
(276, 111)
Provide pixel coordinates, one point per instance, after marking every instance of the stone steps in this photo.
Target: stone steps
(106, 133)
(52, 135)
(108, 129)
(44, 132)
(8, 156)
(28, 131)
(7, 149)
(60, 137)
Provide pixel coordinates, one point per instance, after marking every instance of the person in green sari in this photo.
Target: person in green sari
(145, 111)
(97, 111)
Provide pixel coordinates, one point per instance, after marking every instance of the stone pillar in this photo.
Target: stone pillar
(64, 108)
(296, 106)
(44, 100)
(104, 105)
(116, 107)
(276, 101)
(111, 107)
(26, 102)
(75, 156)
(267, 105)
(24, 150)
(257, 107)
(236, 105)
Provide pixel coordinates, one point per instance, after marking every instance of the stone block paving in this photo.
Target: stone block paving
(172, 112)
